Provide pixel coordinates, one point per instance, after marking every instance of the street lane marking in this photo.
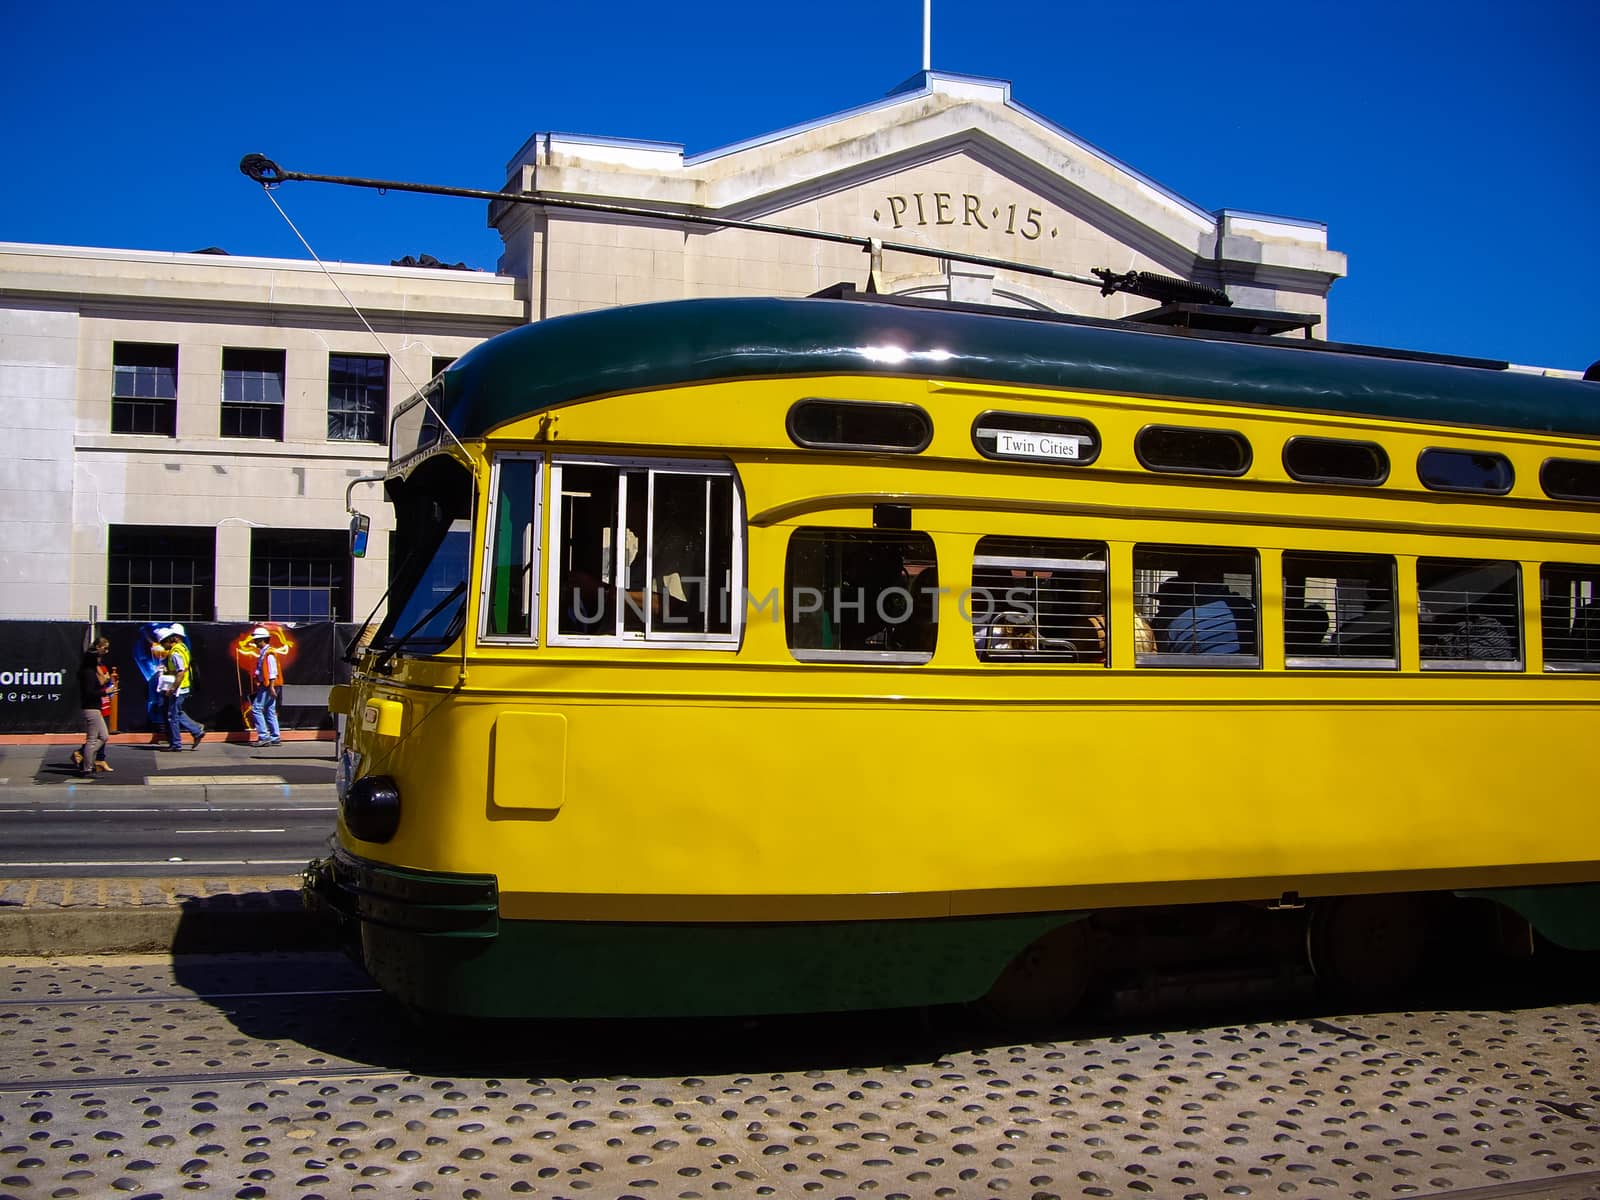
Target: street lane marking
(210, 780)
(48, 812)
(230, 831)
(167, 862)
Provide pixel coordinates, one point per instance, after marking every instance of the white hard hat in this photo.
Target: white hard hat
(177, 629)
(260, 634)
(163, 633)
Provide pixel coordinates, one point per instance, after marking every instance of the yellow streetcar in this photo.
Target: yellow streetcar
(764, 655)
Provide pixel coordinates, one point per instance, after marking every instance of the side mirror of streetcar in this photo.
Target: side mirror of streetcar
(359, 525)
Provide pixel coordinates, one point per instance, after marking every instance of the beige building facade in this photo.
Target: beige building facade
(946, 162)
(158, 470)
(184, 428)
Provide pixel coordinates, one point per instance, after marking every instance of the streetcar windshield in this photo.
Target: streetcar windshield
(432, 546)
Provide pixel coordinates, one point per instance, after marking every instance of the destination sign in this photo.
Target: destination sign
(1013, 443)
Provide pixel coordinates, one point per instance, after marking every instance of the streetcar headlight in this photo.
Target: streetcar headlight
(372, 808)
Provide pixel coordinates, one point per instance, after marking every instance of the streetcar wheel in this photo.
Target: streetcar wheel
(1362, 947)
(1045, 982)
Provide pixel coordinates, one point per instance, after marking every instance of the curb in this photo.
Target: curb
(262, 920)
(47, 934)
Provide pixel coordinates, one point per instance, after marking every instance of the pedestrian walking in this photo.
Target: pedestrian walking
(175, 678)
(108, 690)
(266, 689)
(91, 692)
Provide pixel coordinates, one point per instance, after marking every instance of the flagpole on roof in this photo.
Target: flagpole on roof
(927, 35)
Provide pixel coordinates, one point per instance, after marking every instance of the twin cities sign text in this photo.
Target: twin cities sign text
(962, 208)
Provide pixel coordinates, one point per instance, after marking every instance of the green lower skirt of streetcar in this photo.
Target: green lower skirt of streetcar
(437, 942)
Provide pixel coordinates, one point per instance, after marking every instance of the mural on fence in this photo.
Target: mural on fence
(39, 670)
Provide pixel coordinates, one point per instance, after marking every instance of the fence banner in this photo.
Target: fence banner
(39, 676)
(39, 673)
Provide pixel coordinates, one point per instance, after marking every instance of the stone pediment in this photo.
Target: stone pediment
(952, 163)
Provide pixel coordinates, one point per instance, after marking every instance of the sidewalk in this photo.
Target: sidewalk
(179, 914)
(40, 768)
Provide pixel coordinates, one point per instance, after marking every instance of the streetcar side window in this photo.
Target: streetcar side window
(861, 595)
(1335, 460)
(511, 588)
(1191, 451)
(1444, 470)
(1339, 610)
(1570, 479)
(1195, 606)
(859, 425)
(1038, 600)
(1570, 617)
(645, 552)
(1469, 614)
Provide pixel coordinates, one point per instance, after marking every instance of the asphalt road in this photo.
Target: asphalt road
(136, 831)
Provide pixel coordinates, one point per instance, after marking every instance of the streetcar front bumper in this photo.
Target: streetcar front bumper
(353, 895)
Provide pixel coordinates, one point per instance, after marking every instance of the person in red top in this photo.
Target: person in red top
(267, 687)
(93, 679)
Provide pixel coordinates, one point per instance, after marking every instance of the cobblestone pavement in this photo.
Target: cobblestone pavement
(237, 891)
(277, 1076)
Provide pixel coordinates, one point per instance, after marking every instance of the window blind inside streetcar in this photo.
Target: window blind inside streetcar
(1469, 614)
(859, 425)
(1195, 606)
(1570, 617)
(1038, 600)
(862, 595)
(1339, 610)
(644, 552)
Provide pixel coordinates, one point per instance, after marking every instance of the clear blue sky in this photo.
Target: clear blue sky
(1451, 148)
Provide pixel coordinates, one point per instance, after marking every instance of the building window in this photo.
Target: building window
(1038, 600)
(160, 573)
(252, 394)
(358, 397)
(1570, 613)
(645, 552)
(861, 595)
(1469, 614)
(300, 575)
(1338, 610)
(144, 389)
(1195, 607)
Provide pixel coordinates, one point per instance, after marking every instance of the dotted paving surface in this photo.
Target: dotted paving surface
(277, 892)
(287, 1076)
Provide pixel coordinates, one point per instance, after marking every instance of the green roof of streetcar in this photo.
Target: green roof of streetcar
(648, 346)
